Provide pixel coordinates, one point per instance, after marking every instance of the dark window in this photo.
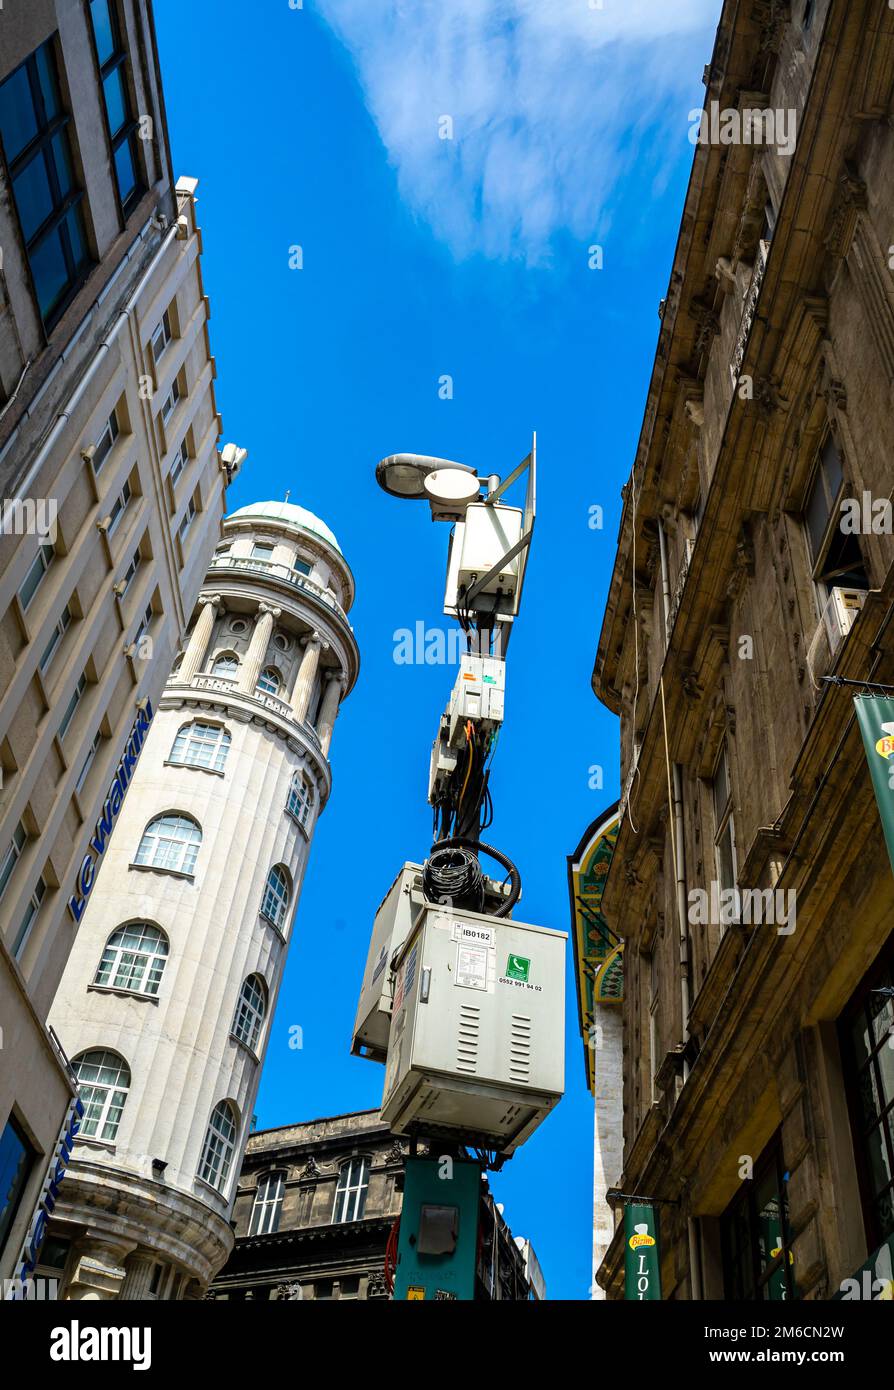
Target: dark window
(37, 147)
(867, 1044)
(113, 72)
(757, 1261)
(835, 554)
(16, 1160)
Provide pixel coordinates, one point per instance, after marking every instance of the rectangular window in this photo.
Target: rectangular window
(144, 625)
(170, 401)
(350, 1192)
(36, 134)
(161, 337)
(301, 566)
(127, 578)
(105, 442)
(72, 705)
(755, 1236)
(724, 830)
(17, 1157)
(835, 555)
(866, 1031)
(261, 551)
(179, 461)
(188, 518)
(119, 508)
(29, 918)
(34, 578)
(114, 76)
(88, 762)
(52, 646)
(12, 855)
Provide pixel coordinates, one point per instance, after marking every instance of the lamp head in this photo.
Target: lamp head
(404, 475)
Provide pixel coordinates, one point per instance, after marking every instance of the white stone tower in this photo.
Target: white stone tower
(166, 1003)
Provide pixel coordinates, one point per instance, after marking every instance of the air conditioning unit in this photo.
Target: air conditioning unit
(838, 617)
(477, 1041)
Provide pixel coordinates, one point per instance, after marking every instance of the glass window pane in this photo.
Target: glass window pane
(817, 516)
(49, 83)
(102, 29)
(62, 162)
(49, 271)
(18, 120)
(125, 169)
(116, 100)
(34, 198)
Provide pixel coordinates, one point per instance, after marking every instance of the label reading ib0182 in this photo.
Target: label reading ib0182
(468, 931)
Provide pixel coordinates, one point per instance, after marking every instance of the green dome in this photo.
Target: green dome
(287, 514)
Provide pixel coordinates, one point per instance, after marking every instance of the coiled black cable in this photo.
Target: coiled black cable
(478, 847)
(453, 874)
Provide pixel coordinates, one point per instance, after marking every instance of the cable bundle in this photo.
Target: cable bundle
(454, 875)
(465, 807)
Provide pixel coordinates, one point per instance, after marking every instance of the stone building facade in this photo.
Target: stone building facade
(112, 493)
(314, 1209)
(166, 1004)
(758, 1079)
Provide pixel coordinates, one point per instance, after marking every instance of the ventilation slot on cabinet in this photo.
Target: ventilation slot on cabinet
(467, 1038)
(520, 1048)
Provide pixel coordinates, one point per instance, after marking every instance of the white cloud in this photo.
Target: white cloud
(552, 102)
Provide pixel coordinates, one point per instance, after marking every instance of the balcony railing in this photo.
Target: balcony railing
(228, 685)
(275, 570)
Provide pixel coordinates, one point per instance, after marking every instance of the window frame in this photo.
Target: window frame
(190, 737)
(744, 1201)
(189, 847)
(111, 430)
(63, 623)
(33, 907)
(73, 202)
(724, 826)
(826, 578)
(219, 1148)
(14, 851)
(251, 1011)
(300, 811)
(119, 62)
(44, 564)
(275, 898)
(146, 969)
(351, 1195)
(857, 1008)
(111, 1091)
(266, 1210)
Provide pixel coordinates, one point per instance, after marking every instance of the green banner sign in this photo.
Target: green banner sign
(875, 716)
(642, 1272)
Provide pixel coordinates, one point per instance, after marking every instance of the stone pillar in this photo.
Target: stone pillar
(99, 1270)
(138, 1269)
(201, 636)
(307, 671)
(329, 709)
(257, 649)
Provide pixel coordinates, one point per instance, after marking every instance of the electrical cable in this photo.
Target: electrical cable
(479, 847)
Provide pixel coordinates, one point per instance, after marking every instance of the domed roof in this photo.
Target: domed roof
(287, 514)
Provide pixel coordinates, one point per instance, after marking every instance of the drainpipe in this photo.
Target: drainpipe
(675, 789)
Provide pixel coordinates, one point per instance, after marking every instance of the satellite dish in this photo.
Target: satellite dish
(404, 475)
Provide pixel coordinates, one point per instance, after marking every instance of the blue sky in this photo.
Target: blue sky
(425, 257)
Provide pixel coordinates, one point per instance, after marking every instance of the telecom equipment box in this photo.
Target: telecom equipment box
(478, 694)
(394, 920)
(484, 539)
(477, 1042)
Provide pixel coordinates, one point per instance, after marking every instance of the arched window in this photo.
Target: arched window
(277, 893)
(170, 842)
(227, 664)
(219, 1146)
(250, 1011)
(104, 1080)
(270, 681)
(134, 959)
(201, 745)
(301, 799)
(267, 1205)
(350, 1194)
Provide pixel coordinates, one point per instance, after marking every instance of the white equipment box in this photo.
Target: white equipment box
(478, 695)
(477, 1041)
(479, 543)
(394, 920)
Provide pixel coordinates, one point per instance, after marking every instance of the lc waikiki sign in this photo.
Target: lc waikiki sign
(56, 1171)
(111, 807)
